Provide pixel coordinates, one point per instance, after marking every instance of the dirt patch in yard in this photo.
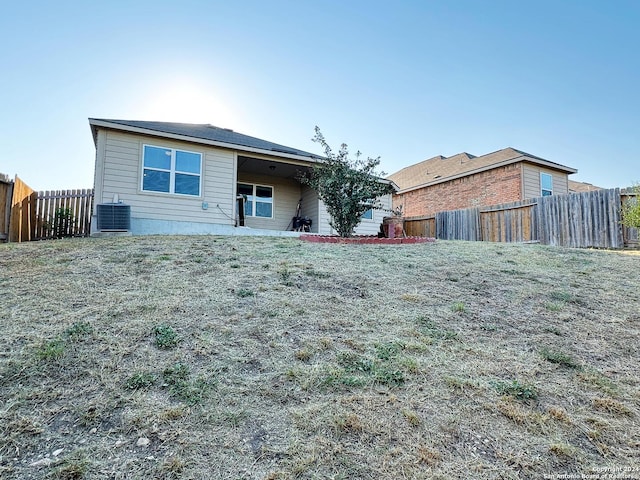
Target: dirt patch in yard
(243, 358)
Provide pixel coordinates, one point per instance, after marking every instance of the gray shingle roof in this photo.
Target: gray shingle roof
(210, 132)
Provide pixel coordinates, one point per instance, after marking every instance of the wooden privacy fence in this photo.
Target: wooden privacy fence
(64, 213)
(420, 227)
(44, 215)
(511, 222)
(6, 192)
(22, 219)
(590, 219)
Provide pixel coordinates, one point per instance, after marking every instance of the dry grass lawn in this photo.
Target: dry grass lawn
(268, 358)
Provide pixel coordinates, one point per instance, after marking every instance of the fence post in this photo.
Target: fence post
(19, 228)
(6, 193)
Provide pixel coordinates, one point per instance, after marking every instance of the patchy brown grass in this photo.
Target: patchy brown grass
(243, 358)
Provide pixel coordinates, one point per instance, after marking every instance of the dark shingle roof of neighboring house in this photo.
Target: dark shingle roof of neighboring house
(205, 131)
(442, 169)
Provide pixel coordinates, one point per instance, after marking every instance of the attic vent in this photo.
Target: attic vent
(228, 129)
(113, 216)
(437, 176)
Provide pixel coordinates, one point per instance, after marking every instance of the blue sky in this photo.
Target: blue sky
(404, 80)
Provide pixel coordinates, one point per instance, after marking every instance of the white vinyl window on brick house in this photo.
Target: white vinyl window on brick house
(368, 215)
(546, 184)
(258, 200)
(170, 170)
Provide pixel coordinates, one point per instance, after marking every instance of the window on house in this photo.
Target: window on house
(546, 184)
(368, 215)
(169, 170)
(258, 200)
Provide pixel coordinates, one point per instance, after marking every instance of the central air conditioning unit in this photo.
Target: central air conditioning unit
(115, 217)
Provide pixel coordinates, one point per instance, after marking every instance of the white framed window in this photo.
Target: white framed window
(171, 170)
(546, 184)
(368, 215)
(258, 200)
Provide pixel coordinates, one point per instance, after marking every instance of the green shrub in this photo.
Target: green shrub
(62, 223)
(631, 210)
(348, 187)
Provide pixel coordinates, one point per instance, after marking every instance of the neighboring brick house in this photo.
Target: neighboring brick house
(464, 181)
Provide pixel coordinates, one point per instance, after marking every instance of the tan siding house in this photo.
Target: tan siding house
(187, 179)
(286, 194)
(310, 207)
(122, 179)
(531, 179)
(465, 181)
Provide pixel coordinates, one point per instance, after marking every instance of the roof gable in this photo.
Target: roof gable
(580, 187)
(441, 169)
(202, 132)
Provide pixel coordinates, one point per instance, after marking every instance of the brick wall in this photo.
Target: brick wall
(499, 185)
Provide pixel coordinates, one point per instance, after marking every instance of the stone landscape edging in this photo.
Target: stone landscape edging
(365, 240)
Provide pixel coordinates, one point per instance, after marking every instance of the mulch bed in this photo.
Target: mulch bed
(362, 239)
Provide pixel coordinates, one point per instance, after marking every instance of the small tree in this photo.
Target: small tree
(347, 187)
(631, 209)
(62, 223)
